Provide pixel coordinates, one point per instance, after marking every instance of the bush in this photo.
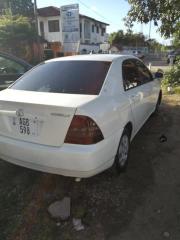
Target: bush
(177, 90)
(172, 77)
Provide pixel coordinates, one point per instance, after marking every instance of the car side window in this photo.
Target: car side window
(8, 66)
(144, 74)
(130, 74)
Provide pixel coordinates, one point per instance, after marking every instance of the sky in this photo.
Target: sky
(107, 11)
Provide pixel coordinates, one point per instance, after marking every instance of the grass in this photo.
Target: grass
(164, 68)
(175, 90)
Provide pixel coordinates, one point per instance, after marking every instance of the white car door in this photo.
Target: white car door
(146, 78)
(137, 91)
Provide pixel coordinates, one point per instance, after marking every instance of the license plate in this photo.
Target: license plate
(25, 126)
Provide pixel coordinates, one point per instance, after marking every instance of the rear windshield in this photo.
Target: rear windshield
(74, 77)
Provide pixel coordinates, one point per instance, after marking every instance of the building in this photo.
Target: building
(92, 31)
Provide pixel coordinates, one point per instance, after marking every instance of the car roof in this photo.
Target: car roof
(92, 57)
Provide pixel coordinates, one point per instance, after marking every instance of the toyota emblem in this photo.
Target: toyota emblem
(19, 113)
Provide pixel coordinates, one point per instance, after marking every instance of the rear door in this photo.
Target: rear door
(137, 90)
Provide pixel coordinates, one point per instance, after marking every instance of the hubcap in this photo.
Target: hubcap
(123, 150)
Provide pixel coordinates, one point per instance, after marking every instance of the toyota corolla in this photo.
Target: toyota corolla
(76, 116)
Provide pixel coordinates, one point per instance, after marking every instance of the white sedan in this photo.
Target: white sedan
(76, 116)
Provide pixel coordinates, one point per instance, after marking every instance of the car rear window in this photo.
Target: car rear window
(73, 77)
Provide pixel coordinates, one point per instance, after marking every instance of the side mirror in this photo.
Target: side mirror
(158, 75)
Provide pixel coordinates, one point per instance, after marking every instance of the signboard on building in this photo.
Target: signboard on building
(70, 27)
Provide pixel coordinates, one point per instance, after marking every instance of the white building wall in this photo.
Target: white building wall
(95, 38)
(50, 36)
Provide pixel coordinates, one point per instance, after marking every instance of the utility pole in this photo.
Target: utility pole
(35, 15)
(150, 29)
(37, 30)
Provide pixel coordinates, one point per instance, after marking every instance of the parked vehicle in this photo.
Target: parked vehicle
(11, 68)
(174, 55)
(138, 54)
(77, 115)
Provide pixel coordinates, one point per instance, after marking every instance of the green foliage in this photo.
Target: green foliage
(176, 37)
(16, 33)
(172, 77)
(166, 12)
(21, 7)
(154, 45)
(127, 39)
(177, 90)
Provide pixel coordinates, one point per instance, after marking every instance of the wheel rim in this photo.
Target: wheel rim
(123, 150)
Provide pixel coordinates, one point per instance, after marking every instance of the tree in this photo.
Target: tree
(16, 34)
(116, 37)
(127, 39)
(176, 37)
(154, 46)
(21, 7)
(165, 14)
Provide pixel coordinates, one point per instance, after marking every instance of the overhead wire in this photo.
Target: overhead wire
(97, 13)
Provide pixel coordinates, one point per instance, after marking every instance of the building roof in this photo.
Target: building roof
(51, 11)
(48, 11)
(93, 19)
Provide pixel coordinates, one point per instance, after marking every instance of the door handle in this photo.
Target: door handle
(135, 98)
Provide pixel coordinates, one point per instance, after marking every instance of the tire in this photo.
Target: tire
(122, 155)
(158, 103)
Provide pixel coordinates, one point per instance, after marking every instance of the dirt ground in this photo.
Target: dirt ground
(141, 204)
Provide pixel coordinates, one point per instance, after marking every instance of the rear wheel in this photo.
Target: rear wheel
(121, 159)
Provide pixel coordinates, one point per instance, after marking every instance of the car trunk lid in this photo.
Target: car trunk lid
(36, 117)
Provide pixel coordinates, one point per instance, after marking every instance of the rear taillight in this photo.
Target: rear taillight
(83, 130)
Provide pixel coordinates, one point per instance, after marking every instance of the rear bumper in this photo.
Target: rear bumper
(68, 160)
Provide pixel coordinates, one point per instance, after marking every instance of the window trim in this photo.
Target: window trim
(53, 31)
(147, 71)
(134, 59)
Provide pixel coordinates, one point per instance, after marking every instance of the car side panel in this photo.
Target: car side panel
(156, 88)
(111, 114)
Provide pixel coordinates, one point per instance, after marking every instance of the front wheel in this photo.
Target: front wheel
(121, 159)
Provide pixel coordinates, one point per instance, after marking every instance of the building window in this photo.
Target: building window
(80, 27)
(97, 29)
(92, 28)
(53, 25)
(80, 30)
(42, 29)
(102, 31)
